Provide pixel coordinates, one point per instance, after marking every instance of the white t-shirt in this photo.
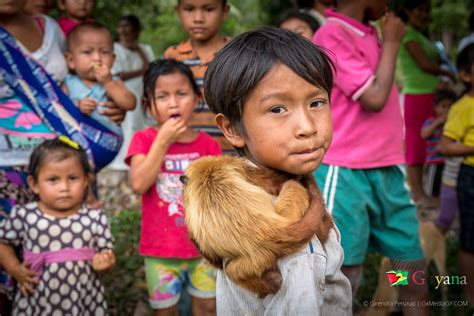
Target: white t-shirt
(127, 60)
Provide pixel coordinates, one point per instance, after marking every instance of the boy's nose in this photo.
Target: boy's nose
(306, 125)
(198, 16)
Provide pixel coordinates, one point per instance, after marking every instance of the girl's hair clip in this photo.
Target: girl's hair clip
(66, 140)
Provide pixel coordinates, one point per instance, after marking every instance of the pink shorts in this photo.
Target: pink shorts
(418, 107)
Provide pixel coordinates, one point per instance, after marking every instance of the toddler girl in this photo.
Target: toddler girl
(158, 156)
(65, 243)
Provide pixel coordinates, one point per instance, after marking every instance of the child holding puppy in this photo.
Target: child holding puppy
(250, 85)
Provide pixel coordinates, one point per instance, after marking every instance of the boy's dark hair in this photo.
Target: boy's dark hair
(72, 35)
(161, 67)
(408, 5)
(133, 20)
(224, 2)
(445, 94)
(465, 61)
(238, 68)
(54, 150)
(305, 17)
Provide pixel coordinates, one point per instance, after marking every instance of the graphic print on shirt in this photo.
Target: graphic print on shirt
(168, 185)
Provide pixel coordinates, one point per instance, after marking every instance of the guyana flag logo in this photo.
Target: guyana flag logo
(397, 277)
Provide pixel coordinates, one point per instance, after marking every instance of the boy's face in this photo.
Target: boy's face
(287, 123)
(89, 50)
(201, 19)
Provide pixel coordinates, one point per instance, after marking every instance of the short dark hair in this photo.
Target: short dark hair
(464, 61)
(72, 35)
(56, 150)
(161, 67)
(133, 20)
(445, 94)
(305, 17)
(224, 2)
(238, 68)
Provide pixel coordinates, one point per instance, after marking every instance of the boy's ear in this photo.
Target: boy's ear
(230, 132)
(32, 184)
(225, 12)
(465, 76)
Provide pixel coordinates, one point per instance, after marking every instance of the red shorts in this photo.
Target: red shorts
(418, 107)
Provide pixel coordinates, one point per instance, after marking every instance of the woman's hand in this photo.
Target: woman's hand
(115, 113)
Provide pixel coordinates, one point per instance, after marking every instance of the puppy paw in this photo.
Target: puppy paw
(272, 280)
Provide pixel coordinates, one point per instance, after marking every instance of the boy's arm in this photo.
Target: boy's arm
(144, 169)
(120, 95)
(375, 97)
(450, 147)
(116, 89)
(428, 130)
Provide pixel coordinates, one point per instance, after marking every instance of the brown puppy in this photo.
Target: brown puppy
(232, 213)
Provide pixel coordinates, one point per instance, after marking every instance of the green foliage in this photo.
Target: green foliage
(123, 282)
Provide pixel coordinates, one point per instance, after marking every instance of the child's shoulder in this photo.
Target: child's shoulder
(183, 48)
(464, 104)
(22, 210)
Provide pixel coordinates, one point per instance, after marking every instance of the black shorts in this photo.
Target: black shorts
(465, 192)
(432, 178)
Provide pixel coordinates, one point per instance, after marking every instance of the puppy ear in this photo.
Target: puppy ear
(230, 132)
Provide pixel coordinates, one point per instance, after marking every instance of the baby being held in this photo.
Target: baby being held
(90, 83)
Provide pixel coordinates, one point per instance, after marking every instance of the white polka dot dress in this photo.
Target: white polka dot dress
(66, 288)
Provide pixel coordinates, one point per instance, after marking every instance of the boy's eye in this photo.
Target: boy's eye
(277, 109)
(210, 9)
(318, 103)
(187, 8)
(182, 93)
(51, 179)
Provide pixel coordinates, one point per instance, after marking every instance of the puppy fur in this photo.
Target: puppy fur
(233, 213)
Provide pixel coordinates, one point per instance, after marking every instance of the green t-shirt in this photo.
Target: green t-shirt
(415, 80)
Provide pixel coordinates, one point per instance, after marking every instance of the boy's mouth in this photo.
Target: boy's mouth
(175, 116)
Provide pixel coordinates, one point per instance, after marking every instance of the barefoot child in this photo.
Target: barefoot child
(90, 84)
(64, 242)
(158, 156)
(270, 90)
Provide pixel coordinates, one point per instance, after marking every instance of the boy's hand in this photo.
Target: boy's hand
(393, 28)
(87, 105)
(171, 130)
(102, 73)
(103, 261)
(26, 278)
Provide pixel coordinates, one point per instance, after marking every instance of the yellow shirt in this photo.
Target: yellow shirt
(460, 124)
